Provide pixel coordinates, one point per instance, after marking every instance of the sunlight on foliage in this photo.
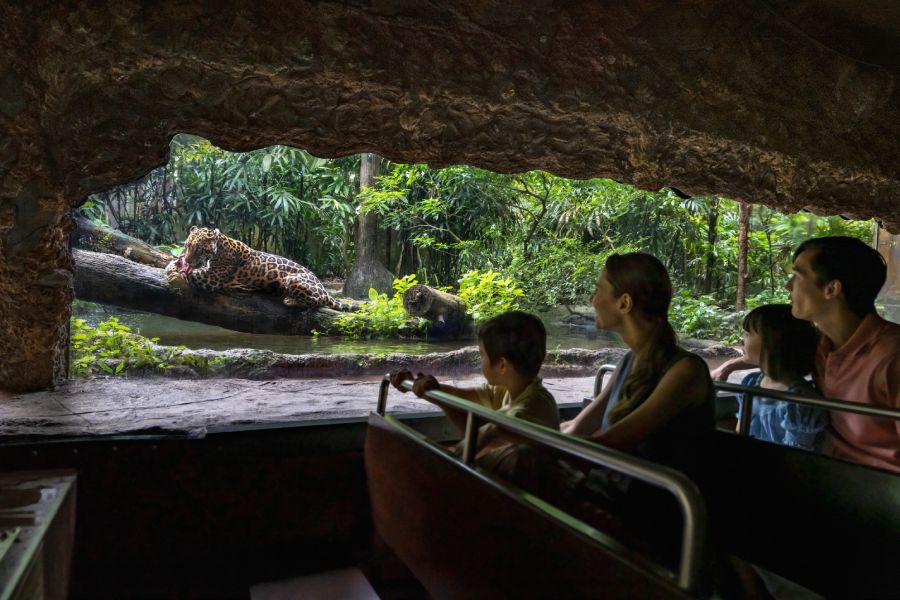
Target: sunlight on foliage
(488, 294)
(112, 349)
(381, 316)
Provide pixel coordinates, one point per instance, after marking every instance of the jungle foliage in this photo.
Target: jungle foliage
(546, 235)
(112, 348)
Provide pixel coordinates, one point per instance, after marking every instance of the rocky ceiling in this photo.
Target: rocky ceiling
(789, 103)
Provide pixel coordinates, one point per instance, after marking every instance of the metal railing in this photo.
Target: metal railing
(750, 391)
(683, 489)
(825, 403)
(598, 379)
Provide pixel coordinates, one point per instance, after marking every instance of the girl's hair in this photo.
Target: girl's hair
(789, 344)
(645, 279)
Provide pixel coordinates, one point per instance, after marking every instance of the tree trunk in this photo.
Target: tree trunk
(743, 246)
(368, 271)
(111, 279)
(100, 238)
(712, 233)
(446, 312)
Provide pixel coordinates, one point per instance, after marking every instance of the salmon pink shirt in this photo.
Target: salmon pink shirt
(866, 369)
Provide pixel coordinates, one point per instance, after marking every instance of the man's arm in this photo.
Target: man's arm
(731, 365)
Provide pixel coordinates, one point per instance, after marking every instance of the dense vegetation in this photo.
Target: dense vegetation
(546, 235)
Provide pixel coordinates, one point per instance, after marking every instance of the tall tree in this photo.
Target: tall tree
(368, 271)
(743, 246)
(712, 235)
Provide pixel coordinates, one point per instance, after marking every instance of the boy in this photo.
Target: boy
(513, 346)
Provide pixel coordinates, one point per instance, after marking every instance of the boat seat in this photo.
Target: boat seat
(346, 584)
(827, 524)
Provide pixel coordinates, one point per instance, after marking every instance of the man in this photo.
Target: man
(834, 283)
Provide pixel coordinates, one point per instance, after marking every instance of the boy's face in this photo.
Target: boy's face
(491, 372)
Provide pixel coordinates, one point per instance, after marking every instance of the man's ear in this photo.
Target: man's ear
(833, 288)
(625, 303)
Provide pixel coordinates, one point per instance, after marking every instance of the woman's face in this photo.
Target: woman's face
(753, 348)
(605, 301)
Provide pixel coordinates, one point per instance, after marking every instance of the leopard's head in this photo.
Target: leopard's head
(200, 246)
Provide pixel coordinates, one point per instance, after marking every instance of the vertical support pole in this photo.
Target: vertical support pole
(382, 395)
(470, 441)
(746, 414)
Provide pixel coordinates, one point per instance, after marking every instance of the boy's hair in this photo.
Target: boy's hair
(517, 336)
(860, 269)
(789, 344)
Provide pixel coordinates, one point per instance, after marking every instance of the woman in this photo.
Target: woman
(659, 404)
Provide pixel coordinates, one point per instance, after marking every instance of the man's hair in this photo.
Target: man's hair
(788, 350)
(517, 336)
(860, 269)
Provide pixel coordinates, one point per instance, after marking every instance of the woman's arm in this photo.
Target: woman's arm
(684, 385)
(591, 417)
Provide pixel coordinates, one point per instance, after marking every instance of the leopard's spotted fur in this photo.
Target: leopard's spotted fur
(213, 261)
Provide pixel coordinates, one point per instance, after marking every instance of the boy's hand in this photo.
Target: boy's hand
(424, 383)
(399, 376)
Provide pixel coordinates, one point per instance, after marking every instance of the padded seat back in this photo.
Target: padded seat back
(465, 535)
(829, 525)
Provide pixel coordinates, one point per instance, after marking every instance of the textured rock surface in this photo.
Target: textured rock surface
(790, 104)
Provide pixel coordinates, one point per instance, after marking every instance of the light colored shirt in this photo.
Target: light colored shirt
(534, 404)
(785, 423)
(866, 369)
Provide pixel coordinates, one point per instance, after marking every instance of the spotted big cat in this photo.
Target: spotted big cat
(213, 261)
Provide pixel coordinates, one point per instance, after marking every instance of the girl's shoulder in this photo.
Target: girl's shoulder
(752, 379)
(804, 387)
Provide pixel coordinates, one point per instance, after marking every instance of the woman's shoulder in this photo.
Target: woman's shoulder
(688, 360)
(687, 368)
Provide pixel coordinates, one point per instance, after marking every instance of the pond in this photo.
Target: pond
(175, 332)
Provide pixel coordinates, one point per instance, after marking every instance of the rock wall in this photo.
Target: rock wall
(792, 105)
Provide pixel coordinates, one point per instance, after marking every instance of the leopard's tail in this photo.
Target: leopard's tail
(343, 306)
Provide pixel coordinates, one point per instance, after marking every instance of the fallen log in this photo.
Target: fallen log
(112, 279)
(101, 238)
(446, 312)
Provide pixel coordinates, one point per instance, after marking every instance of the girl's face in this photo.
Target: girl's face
(753, 348)
(604, 301)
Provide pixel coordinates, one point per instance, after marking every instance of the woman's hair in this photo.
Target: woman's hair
(788, 349)
(646, 280)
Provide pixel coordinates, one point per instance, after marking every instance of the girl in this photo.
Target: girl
(784, 348)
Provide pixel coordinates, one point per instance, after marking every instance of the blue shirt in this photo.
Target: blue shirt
(786, 423)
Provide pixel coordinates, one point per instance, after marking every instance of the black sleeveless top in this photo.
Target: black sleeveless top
(682, 443)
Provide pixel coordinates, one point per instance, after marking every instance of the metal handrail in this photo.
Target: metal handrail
(598, 379)
(826, 403)
(683, 489)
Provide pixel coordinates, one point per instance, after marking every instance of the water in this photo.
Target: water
(175, 332)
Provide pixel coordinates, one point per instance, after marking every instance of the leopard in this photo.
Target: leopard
(213, 261)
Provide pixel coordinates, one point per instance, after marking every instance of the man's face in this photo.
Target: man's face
(807, 296)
